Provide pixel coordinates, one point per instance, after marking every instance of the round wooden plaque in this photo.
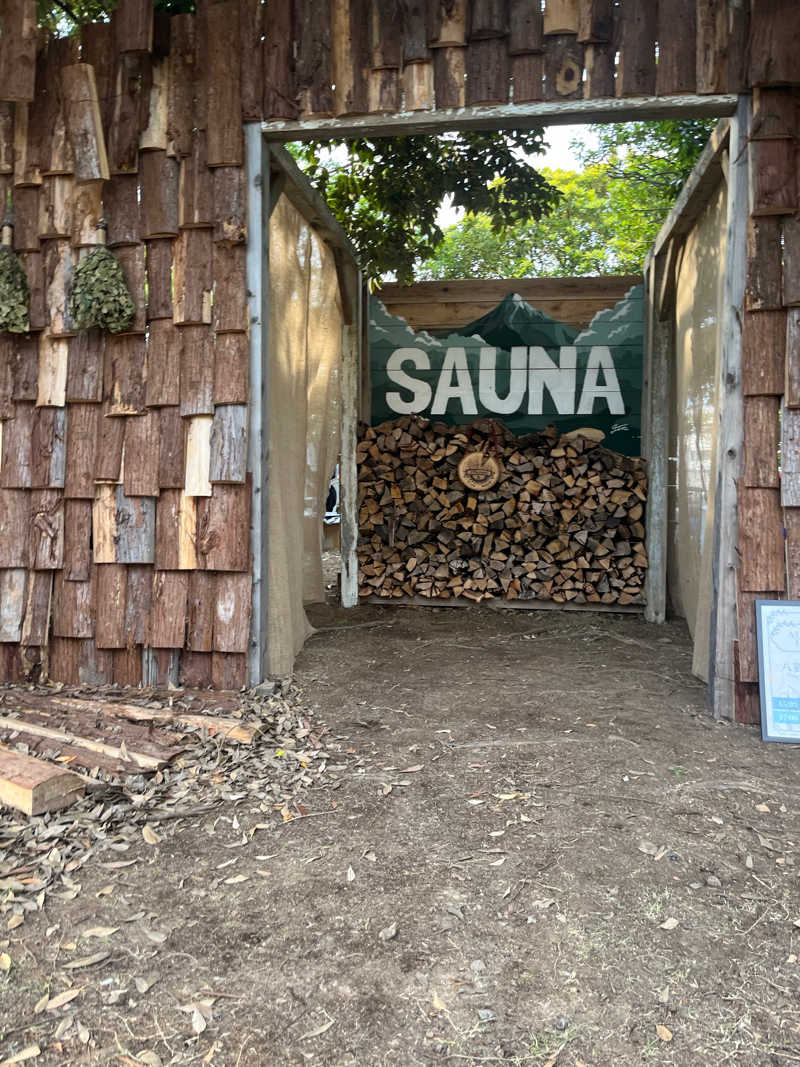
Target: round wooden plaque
(478, 471)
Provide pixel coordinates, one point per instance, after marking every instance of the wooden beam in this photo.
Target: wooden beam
(730, 420)
(658, 357)
(34, 786)
(348, 472)
(505, 116)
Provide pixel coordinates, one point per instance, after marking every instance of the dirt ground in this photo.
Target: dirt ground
(531, 846)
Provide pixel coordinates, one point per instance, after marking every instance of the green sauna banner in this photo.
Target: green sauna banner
(519, 366)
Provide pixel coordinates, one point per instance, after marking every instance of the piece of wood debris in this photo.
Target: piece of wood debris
(230, 728)
(33, 786)
(148, 763)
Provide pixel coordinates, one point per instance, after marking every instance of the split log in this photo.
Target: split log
(764, 268)
(565, 522)
(191, 278)
(196, 371)
(164, 345)
(18, 50)
(87, 211)
(14, 522)
(251, 30)
(351, 57)
(53, 359)
(596, 21)
(774, 43)
(176, 524)
(159, 283)
(600, 71)
(229, 204)
(199, 632)
(228, 462)
(121, 210)
(133, 25)
(195, 206)
(140, 477)
(158, 176)
(230, 310)
(110, 439)
(55, 207)
(773, 178)
(231, 368)
(6, 137)
(223, 529)
(791, 262)
(224, 128)
(137, 605)
(790, 458)
(792, 383)
(763, 352)
(168, 613)
(774, 114)
(761, 441)
(525, 28)
(34, 786)
(171, 448)
(81, 445)
(77, 540)
(761, 553)
(676, 71)
(131, 259)
(198, 456)
(313, 62)
(449, 70)
(447, 23)
(636, 26)
(279, 100)
(384, 90)
(129, 111)
(48, 448)
(418, 86)
(73, 607)
(12, 603)
(27, 170)
(84, 124)
(155, 136)
(111, 593)
(563, 68)
(124, 374)
(712, 46)
(181, 82)
(487, 72)
(25, 204)
(46, 530)
(232, 612)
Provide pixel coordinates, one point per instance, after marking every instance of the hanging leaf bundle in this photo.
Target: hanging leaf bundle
(13, 293)
(100, 297)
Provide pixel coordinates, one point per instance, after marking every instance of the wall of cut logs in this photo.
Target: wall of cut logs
(564, 522)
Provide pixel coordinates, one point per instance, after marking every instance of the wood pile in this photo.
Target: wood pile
(564, 523)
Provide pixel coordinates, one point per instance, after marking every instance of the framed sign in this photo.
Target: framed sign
(778, 627)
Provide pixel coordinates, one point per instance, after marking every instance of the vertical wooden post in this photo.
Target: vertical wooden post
(258, 195)
(660, 350)
(348, 471)
(724, 629)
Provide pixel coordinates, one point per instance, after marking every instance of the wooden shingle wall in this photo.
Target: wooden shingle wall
(769, 497)
(124, 495)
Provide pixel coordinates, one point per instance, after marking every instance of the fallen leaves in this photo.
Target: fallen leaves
(664, 1033)
(320, 1030)
(388, 933)
(668, 924)
(5, 961)
(29, 1053)
(48, 1003)
(149, 834)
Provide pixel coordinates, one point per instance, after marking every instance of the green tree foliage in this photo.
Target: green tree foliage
(606, 220)
(386, 192)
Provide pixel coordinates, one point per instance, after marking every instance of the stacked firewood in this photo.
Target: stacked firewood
(564, 521)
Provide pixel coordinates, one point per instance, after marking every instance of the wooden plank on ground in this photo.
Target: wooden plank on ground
(34, 786)
(230, 728)
(146, 762)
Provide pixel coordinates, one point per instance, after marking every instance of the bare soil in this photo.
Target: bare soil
(532, 847)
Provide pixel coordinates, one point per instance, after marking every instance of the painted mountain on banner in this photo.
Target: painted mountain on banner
(519, 365)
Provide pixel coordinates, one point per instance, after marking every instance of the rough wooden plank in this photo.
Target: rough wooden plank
(791, 522)
(53, 359)
(449, 73)
(171, 448)
(27, 171)
(140, 477)
(224, 130)
(773, 184)
(73, 607)
(746, 697)
(792, 384)
(487, 72)
(141, 759)
(595, 21)
(168, 613)
(230, 287)
(790, 458)
(351, 56)
(195, 670)
(200, 628)
(181, 83)
(126, 667)
(121, 210)
(131, 259)
(228, 670)
(139, 597)
(55, 206)
(418, 86)
(676, 71)
(6, 138)
(763, 351)
(110, 442)
(18, 50)
(158, 176)
(15, 466)
(154, 137)
(12, 603)
(764, 267)
(111, 597)
(198, 456)
(84, 124)
(348, 474)
(231, 367)
(791, 261)
(85, 357)
(159, 279)
(46, 536)
(77, 540)
(176, 524)
(58, 265)
(164, 346)
(229, 200)
(761, 441)
(197, 371)
(104, 524)
(11, 664)
(124, 374)
(774, 43)
(761, 556)
(34, 786)
(37, 310)
(38, 602)
(223, 529)
(135, 528)
(195, 206)
(192, 276)
(229, 446)
(133, 26)
(232, 612)
(25, 202)
(712, 46)
(48, 448)
(524, 28)
(636, 28)
(129, 112)
(563, 68)
(87, 212)
(774, 114)
(313, 58)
